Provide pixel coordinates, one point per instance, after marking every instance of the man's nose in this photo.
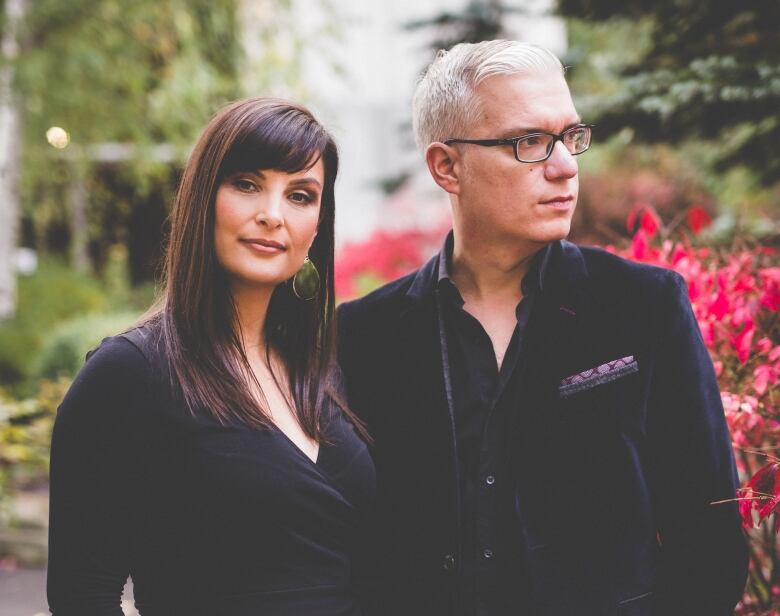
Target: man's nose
(269, 211)
(561, 165)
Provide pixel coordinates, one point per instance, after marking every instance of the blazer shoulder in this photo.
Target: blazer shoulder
(386, 299)
(608, 270)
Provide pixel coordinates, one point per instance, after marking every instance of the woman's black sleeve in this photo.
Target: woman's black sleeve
(97, 478)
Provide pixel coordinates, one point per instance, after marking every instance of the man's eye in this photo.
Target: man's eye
(244, 185)
(530, 141)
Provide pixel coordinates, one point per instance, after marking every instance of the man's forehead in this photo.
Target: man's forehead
(526, 102)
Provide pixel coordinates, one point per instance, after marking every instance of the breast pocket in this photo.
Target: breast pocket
(597, 375)
(603, 413)
(612, 389)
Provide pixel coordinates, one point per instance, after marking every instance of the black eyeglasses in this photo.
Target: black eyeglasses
(536, 147)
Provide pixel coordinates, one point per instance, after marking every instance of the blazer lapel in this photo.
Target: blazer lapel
(558, 322)
(426, 374)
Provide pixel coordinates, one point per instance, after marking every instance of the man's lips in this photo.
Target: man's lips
(560, 201)
(265, 246)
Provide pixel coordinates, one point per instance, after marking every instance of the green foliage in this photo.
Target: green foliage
(64, 350)
(54, 293)
(101, 68)
(25, 436)
(707, 69)
(140, 73)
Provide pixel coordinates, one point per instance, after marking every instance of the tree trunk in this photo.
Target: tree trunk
(10, 145)
(79, 198)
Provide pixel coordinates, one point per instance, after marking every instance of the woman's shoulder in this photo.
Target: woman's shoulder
(120, 369)
(141, 341)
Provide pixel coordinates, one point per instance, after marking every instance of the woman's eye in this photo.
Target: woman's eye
(244, 185)
(301, 198)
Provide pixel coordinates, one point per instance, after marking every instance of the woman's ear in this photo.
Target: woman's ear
(444, 165)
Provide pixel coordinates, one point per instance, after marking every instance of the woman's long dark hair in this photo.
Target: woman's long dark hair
(197, 318)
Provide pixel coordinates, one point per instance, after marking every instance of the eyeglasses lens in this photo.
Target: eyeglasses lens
(533, 147)
(538, 147)
(577, 140)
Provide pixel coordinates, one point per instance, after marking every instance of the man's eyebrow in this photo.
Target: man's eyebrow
(520, 131)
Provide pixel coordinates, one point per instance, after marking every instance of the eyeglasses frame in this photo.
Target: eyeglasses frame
(513, 142)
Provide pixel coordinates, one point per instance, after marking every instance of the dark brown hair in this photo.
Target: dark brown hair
(197, 317)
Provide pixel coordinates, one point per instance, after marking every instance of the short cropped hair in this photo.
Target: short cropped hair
(445, 101)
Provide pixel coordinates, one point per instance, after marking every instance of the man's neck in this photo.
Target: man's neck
(490, 273)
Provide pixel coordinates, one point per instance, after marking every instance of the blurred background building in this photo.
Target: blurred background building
(363, 92)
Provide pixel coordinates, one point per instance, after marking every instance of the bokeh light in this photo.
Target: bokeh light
(58, 137)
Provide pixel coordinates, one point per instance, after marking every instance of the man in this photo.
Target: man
(548, 432)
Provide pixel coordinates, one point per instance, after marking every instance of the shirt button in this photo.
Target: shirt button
(490, 480)
(449, 562)
(487, 553)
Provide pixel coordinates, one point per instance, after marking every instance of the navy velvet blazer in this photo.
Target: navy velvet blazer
(616, 462)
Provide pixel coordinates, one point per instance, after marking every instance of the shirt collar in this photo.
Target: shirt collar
(533, 280)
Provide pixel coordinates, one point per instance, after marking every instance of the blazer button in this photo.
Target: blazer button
(449, 562)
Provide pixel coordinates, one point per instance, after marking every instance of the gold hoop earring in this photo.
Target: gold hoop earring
(306, 282)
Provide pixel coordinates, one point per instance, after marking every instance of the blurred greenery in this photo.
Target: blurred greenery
(64, 350)
(601, 57)
(53, 296)
(25, 436)
(692, 69)
(124, 79)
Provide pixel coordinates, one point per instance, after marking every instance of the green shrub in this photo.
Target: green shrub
(25, 435)
(63, 351)
(54, 293)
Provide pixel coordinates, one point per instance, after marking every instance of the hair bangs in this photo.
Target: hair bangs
(291, 142)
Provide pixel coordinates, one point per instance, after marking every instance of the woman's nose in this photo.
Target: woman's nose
(269, 213)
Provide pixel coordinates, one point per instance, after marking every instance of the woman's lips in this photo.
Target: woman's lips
(264, 246)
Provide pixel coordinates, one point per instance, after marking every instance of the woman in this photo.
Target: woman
(204, 453)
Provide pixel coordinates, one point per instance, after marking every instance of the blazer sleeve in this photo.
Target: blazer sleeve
(96, 483)
(703, 565)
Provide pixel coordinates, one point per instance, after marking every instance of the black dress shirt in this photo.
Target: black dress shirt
(484, 397)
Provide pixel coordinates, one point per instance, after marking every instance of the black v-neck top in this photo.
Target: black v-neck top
(207, 519)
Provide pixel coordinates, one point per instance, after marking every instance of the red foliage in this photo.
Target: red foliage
(382, 257)
(698, 219)
(644, 217)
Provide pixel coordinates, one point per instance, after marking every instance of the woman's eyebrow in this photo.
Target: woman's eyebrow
(305, 182)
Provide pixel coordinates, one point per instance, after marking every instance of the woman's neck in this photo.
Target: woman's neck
(251, 308)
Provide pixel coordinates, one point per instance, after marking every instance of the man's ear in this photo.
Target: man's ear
(444, 166)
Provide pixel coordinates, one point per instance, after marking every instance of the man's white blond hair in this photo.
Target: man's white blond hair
(445, 103)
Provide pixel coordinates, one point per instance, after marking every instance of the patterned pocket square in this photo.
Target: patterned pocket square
(596, 376)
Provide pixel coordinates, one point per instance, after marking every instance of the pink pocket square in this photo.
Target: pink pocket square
(596, 376)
